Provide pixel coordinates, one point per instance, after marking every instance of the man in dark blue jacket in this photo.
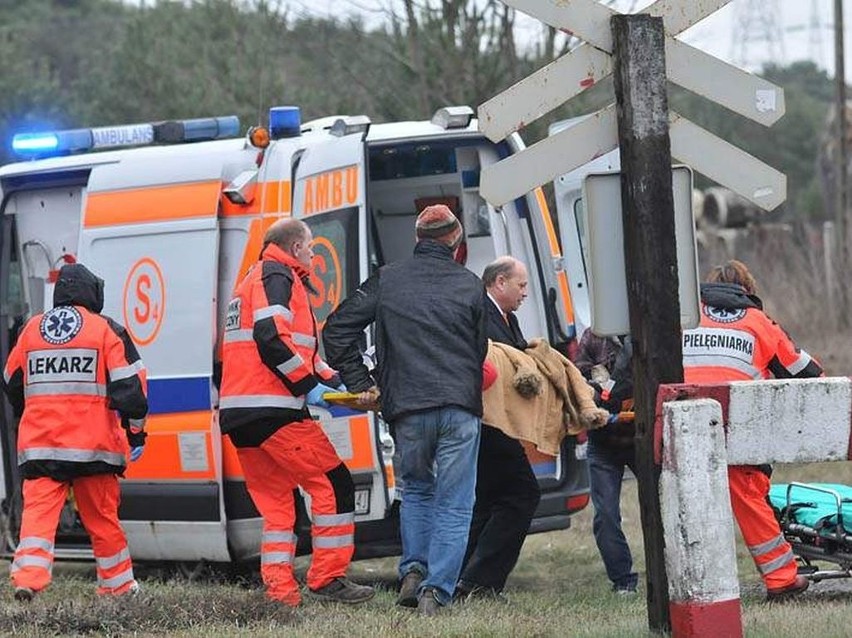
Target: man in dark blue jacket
(429, 315)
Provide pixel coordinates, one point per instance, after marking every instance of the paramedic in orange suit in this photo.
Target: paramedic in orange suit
(737, 341)
(76, 380)
(271, 372)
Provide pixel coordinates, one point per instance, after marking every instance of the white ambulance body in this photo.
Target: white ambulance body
(172, 228)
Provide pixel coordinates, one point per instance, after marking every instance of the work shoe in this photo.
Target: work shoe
(343, 590)
(625, 591)
(429, 605)
(783, 593)
(24, 594)
(408, 589)
(467, 592)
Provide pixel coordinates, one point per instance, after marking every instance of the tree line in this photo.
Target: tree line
(79, 63)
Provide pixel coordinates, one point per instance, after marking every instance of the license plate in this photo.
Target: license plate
(362, 501)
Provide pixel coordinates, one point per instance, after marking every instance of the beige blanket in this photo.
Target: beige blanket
(539, 396)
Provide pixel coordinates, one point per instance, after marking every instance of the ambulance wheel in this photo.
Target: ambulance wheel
(10, 520)
(192, 570)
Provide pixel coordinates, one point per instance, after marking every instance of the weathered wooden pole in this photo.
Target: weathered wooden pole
(841, 196)
(651, 263)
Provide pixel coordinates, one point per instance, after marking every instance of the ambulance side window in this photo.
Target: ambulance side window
(336, 264)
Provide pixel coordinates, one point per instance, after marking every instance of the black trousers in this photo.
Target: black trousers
(507, 495)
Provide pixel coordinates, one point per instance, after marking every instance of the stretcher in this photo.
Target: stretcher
(816, 519)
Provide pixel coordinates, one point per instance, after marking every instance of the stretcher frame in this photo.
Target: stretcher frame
(811, 545)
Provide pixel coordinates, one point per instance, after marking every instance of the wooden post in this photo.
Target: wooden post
(651, 263)
(841, 168)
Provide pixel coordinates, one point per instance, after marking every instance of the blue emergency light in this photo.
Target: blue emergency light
(284, 121)
(50, 143)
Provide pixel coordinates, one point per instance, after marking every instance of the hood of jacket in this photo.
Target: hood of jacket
(79, 286)
(729, 297)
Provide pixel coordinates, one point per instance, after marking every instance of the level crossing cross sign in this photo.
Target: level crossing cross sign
(584, 66)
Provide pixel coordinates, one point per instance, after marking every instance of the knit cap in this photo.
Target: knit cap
(438, 223)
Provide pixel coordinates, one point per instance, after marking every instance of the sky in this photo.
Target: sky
(803, 28)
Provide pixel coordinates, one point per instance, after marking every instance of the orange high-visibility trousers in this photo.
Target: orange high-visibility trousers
(772, 555)
(300, 454)
(97, 500)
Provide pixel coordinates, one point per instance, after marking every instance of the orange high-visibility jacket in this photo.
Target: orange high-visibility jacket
(270, 352)
(736, 341)
(69, 373)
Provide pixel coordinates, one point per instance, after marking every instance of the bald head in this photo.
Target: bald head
(506, 281)
(294, 237)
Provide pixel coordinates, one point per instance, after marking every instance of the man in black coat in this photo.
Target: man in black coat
(429, 315)
(507, 491)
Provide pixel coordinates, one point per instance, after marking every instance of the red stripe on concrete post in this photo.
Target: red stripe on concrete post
(681, 392)
(718, 619)
(700, 553)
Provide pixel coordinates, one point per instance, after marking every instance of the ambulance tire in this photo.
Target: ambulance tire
(199, 571)
(10, 520)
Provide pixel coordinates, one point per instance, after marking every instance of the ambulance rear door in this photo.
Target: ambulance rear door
(149, 227)
(571, 214)
(330, 196)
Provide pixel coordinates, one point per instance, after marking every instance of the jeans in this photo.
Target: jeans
(437, 465)
(606, 473)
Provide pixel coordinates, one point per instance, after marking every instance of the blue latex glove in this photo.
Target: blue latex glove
(342, 388)
(136, 452)
(315, 396)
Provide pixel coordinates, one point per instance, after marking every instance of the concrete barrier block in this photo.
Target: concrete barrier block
(789, 421)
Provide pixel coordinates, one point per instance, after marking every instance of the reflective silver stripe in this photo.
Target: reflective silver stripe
(136, 424)
(271, 311)
(278, 537)
(329, 520)
(6, 375)
(235, 336)
(275, 558)
(778, 563)
(800, 364)
(117, 581)
(304, 340)
(330, 542)
(65, 454)
(34, 542)
(768, 546)
(699, 361)
(322, 366)
(261, 401)
(80, 387)
(32, 561)
(125, 372)
(112, 561)
(293, 363)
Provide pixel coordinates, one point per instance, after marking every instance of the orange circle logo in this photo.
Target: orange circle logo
(144, 301)
(327, 278)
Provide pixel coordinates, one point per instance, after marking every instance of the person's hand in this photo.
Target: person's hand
(369, 399)
(136, 452)
(314, 397)
(342, 387)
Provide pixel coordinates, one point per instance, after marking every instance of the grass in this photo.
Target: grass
(559, 588)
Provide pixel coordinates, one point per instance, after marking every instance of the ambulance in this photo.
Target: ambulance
(172, 214)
